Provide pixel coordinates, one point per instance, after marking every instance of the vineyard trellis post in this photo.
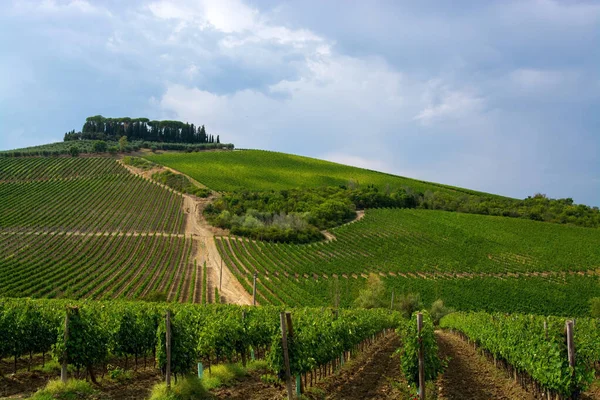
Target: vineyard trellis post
(421, 357)
(63, 367)
(168, 347)
(392, 304)
(286, 358)
(221, 276)
(254, 291)
(570, 344)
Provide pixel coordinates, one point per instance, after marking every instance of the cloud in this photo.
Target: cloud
(447, 104)
(357, 161)
(497, 96)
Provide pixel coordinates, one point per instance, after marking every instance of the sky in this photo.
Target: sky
(498, 96)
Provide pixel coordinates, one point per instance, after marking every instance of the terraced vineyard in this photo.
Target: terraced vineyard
(267, 170)
(516, 265)
(88, 228)
(92, 195)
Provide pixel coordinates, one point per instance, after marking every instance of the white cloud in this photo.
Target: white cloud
(444, 103)
(357, 161)
(242, 24)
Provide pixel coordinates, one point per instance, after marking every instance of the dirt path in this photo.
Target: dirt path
(206, 250)
(330, 236)
(471, 376)
(371, 376)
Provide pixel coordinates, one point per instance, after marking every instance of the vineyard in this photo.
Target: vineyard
(99, 331)
(534, 348)
(472, 262)
(265, 170)
(88, 228)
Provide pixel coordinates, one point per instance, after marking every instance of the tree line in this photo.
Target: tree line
(102, 128)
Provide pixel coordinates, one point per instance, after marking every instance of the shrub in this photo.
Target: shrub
(74, 151)
(438, 311)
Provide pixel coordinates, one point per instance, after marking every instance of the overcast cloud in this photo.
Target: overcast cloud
(495, 96)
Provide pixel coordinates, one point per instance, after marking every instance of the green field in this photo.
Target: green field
(471, 261)
(265, 170)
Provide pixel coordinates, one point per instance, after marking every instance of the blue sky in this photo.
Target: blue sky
(496, 96)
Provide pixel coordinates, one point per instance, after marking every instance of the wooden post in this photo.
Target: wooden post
(570, 344)
(221, 276)
(168, 347)
(421, 358)
(63, 367)
(286, 359)
(392, 305)
(546, 329)
(254, 291)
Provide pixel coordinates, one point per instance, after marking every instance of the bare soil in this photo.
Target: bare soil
(471, 376)
(372, 375)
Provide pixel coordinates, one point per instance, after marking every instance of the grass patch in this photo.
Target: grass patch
(138, 162)
(73, 389)
(257, 366)
(179, 183)
(189, 388)
(222, 375)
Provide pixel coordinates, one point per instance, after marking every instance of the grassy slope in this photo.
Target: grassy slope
(264, 170)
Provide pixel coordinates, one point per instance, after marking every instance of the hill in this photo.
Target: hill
(259, 170)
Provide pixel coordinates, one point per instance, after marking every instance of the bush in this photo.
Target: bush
(99, 146)
(408, 304)
(438, 311)
(373, 295)
(74, 151)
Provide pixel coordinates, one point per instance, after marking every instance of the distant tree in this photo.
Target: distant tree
(113, 149)
(373, 295)
(438, 310)
(74, 151)
(408, 303)
(123, 143)
(218, 140)
(100, 146)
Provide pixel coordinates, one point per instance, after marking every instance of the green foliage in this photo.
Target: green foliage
(473, 262)
(373, 295)
(123, 143)
(118, 374)
(71, 390)
(521, 341)
(189, 388)
(595, 307)
(87, 344)
(74, 151)
(408, 303)
(138, 162)
(321, 336)
(438, 311)
(183, 341)
(411, 342)
(180, 183)
(256, 170)
(222, 375)
(100, 146)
